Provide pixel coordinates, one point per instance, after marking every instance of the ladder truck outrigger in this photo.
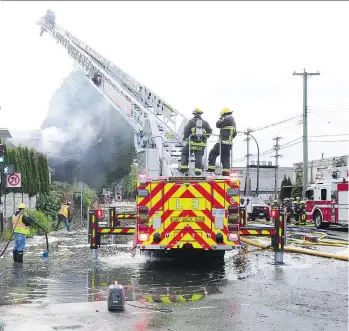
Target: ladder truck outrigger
(175, 213)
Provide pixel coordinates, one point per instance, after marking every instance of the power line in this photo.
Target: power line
(276, 123)
(331, 135)
(329, 141)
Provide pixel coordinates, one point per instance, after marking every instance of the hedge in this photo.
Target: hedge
(33, 168)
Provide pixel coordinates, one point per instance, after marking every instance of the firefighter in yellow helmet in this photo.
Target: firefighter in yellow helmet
(227, 126)
(64, 215)
(198, 131)
(20, 224)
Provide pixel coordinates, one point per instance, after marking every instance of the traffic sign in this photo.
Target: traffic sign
(9, 170)
(14, 180)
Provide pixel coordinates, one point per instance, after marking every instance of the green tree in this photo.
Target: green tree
(296, 191)
(43, 173)
(129, 188)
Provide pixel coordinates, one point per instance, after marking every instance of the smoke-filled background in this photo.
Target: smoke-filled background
(84, 137)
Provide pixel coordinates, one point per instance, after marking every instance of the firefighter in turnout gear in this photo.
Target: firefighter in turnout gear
(227, 127)
(64, 215)
(20, 224)
(198, 130)
(275, 205)
(300, 213)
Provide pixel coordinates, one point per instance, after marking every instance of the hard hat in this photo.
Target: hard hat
(226, 111)
(68, 203)
(286, 199)
(275, 201)
(197, 111)
(298, 198)
(22, 206)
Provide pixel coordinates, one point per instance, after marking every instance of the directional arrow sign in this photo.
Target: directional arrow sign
(9, 169)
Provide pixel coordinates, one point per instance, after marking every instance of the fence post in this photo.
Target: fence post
(243, 217)
(279, 240)
(93, 226)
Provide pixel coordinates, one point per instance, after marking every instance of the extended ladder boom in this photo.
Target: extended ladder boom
(152, 119)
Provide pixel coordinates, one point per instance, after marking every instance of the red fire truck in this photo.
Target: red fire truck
(327, 202)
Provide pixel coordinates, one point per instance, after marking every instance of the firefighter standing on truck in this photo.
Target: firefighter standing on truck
(20, 224)
(64, 215)
(227, 127)
(198, 130)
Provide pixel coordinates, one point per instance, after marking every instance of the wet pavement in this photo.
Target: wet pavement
(245, 292)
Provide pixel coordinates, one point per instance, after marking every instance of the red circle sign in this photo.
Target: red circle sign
(13, 180)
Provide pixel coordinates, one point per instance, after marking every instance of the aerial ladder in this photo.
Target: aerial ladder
(157, 125)
(158, 130)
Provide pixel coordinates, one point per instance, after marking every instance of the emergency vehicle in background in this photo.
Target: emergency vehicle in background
(327, 202)
(174, 212)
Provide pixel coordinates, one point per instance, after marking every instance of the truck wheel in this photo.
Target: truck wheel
(318, 221)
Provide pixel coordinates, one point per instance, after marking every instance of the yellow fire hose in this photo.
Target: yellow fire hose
(296, 250)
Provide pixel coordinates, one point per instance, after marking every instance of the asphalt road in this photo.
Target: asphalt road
(246, 292)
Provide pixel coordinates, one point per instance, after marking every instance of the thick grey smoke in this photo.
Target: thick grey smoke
(84, 137)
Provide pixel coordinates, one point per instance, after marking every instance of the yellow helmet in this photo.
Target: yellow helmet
(22, 206)
(303, 202)
(275, 201)
(226, 111)
(197, 111)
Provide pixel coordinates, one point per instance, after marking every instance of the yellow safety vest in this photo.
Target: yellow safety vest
(64, 211)
(18, 225)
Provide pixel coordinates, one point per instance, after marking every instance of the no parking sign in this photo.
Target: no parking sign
(14, 180)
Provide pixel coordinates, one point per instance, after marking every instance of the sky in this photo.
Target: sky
(210, 55)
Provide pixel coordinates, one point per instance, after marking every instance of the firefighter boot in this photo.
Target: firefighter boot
(19, 256)
(183, 169)
(296, 216)
(14, 256)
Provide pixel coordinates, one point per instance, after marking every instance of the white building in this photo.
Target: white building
(323, 168)
(266, 178)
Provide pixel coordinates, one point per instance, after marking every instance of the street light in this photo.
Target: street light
(248, 133)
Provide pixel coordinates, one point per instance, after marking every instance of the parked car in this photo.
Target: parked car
(259, 208)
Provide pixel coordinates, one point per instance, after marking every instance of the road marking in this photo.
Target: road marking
(202, 308)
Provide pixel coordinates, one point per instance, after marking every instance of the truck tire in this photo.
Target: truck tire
(319, 224)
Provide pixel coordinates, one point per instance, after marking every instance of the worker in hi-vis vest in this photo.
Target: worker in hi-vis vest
(20, 224)
(64, 215)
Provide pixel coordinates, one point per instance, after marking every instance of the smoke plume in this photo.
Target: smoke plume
(83, 136)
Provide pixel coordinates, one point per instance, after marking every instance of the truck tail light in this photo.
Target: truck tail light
(143, 210)
(274, 213)
(233, 237)
(143, 236)
(233, 214)
(143, 228)
(143, 216)
(98, 213)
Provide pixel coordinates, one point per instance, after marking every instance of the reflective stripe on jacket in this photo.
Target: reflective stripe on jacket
(228, 129)
(18, 225)
(199, 126)
(64, 211)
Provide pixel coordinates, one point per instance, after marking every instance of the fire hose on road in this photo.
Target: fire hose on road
(296, 250)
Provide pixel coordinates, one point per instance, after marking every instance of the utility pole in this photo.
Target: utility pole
(305, 123)
(277, 155)
(247, 161)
